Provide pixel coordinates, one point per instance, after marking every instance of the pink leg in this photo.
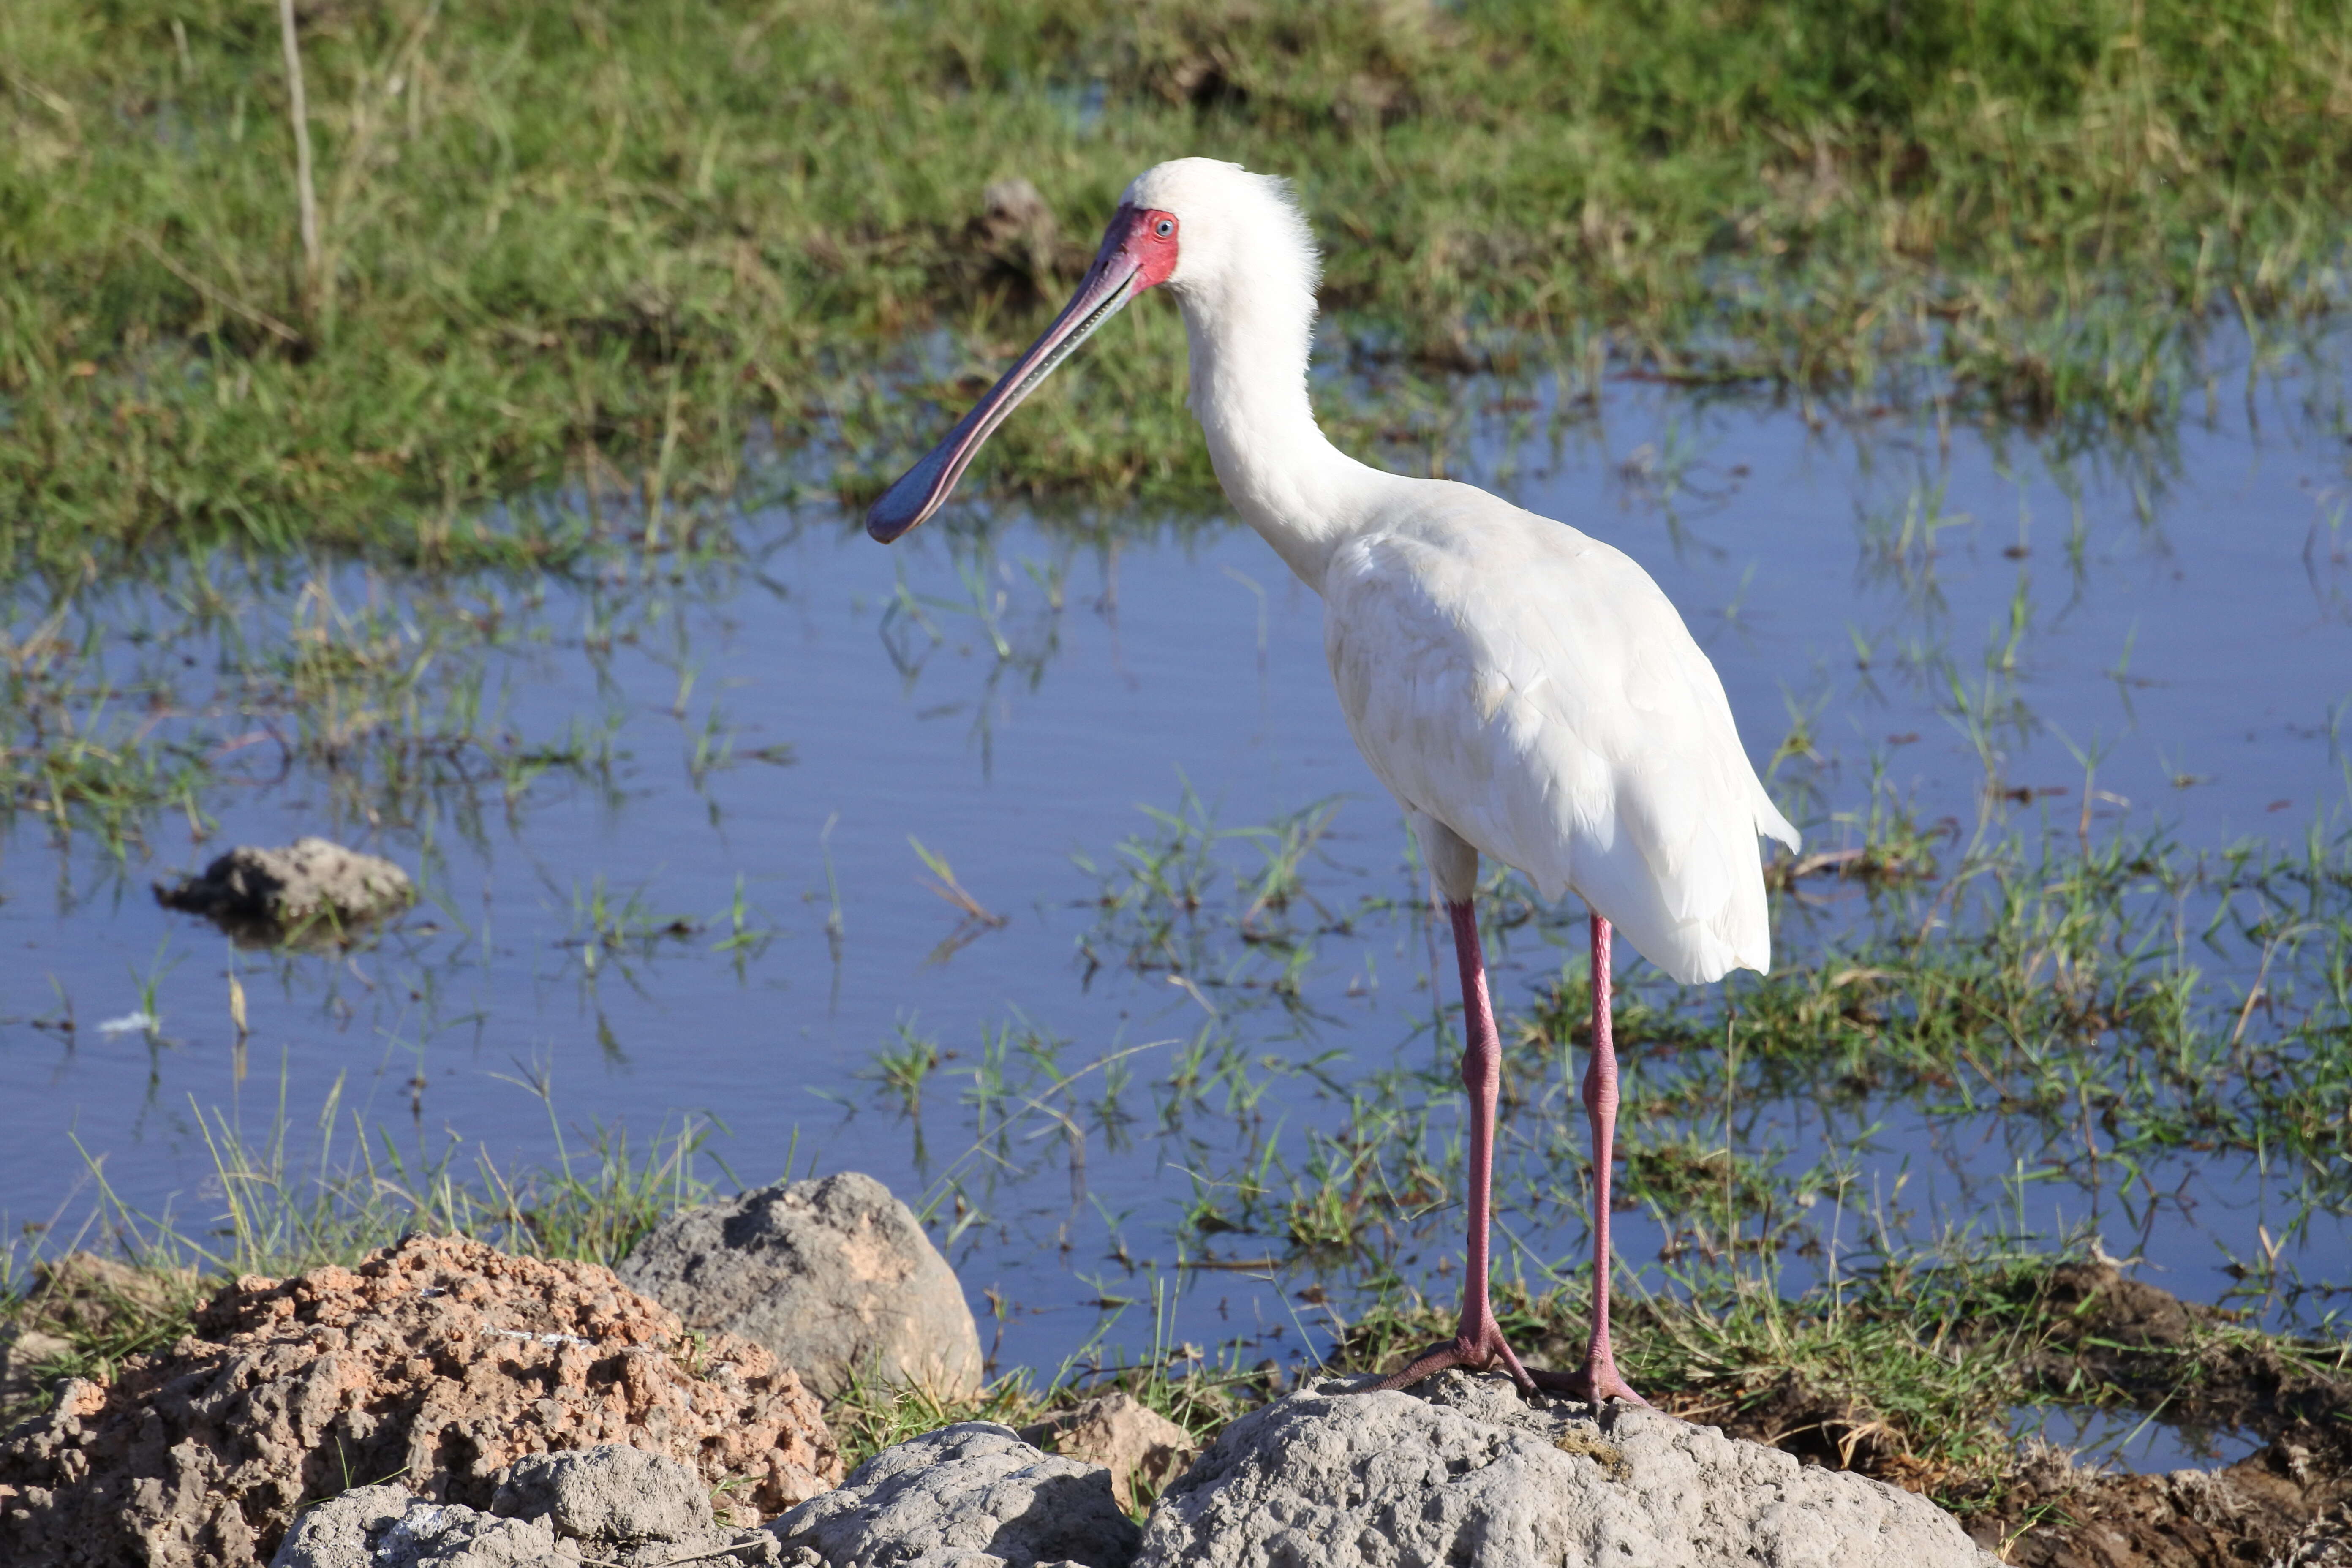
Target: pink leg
(1477, 1342)
(1597, 1379)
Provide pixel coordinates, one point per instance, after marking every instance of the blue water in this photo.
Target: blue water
(1013, 691)
(2129, 1441)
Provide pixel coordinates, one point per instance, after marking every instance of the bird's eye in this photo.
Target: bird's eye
(1164, 227)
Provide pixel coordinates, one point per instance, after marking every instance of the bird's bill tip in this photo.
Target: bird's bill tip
(916, 494)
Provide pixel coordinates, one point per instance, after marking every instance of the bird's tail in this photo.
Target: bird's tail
(1771, 824)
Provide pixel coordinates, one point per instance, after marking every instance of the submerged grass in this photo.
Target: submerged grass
(614, 243)
(2113, 999)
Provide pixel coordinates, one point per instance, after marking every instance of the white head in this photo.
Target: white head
(1234, 228)
(1221, 239)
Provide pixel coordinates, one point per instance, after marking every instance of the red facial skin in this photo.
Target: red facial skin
(1136, 230)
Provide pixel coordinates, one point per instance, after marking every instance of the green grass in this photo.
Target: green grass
(1907, 1368)
(609, 244)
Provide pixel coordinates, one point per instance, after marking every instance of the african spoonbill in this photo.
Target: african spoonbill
(1525, 691)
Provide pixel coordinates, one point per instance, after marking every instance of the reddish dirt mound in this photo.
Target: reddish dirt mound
(432, 1365)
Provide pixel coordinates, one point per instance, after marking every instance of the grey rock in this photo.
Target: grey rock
(1462, 1471)
(341, 1531)
(445, 1535)
(835, 1276)
(610, 1503)
(1121, 1433)
(612, 1494)
(390, 1527)
(312, 887)
(969, 1496)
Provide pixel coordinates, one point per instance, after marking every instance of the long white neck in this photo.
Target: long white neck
(1250, 331)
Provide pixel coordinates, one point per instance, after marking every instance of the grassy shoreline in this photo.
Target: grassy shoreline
(609, 244)
(1911, 1370)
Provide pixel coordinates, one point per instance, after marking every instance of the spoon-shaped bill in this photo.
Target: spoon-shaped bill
(922, 489)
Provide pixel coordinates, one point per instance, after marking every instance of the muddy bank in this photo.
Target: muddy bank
(2100, 1338)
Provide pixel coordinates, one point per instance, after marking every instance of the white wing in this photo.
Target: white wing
(1534, 690)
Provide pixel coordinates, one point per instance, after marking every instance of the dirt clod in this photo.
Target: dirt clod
(311, 888)
(2141, 1346)
(433, 1366)
(1123, 1434)
(86, 1308)
(87, 1294)
(1016, 243)
(24, 1353)
(2123, 1342)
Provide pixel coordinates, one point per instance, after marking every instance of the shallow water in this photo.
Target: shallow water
(2126, 1440)
(768, 730)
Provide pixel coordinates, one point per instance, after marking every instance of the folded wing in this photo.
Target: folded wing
(1533, 690)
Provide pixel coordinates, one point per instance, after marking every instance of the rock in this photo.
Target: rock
(969, 1496)
(342, 1531)
(23, 1353)
(312, 887)
(603, 1504)
(1121, 1433)
(438, 1363)
(835, 1276)
(615, 1495)
(446, 1535)
(386, 1527)
(1462, 1471)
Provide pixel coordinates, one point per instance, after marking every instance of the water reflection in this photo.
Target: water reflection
(2130, 1441)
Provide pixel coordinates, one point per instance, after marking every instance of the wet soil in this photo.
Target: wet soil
(2113, 1340)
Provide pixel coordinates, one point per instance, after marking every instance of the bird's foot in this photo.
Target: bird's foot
(1486, 1350)
(1593, 1381)
(1478, 1349)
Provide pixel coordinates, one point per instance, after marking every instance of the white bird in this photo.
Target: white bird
(1524, 690)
